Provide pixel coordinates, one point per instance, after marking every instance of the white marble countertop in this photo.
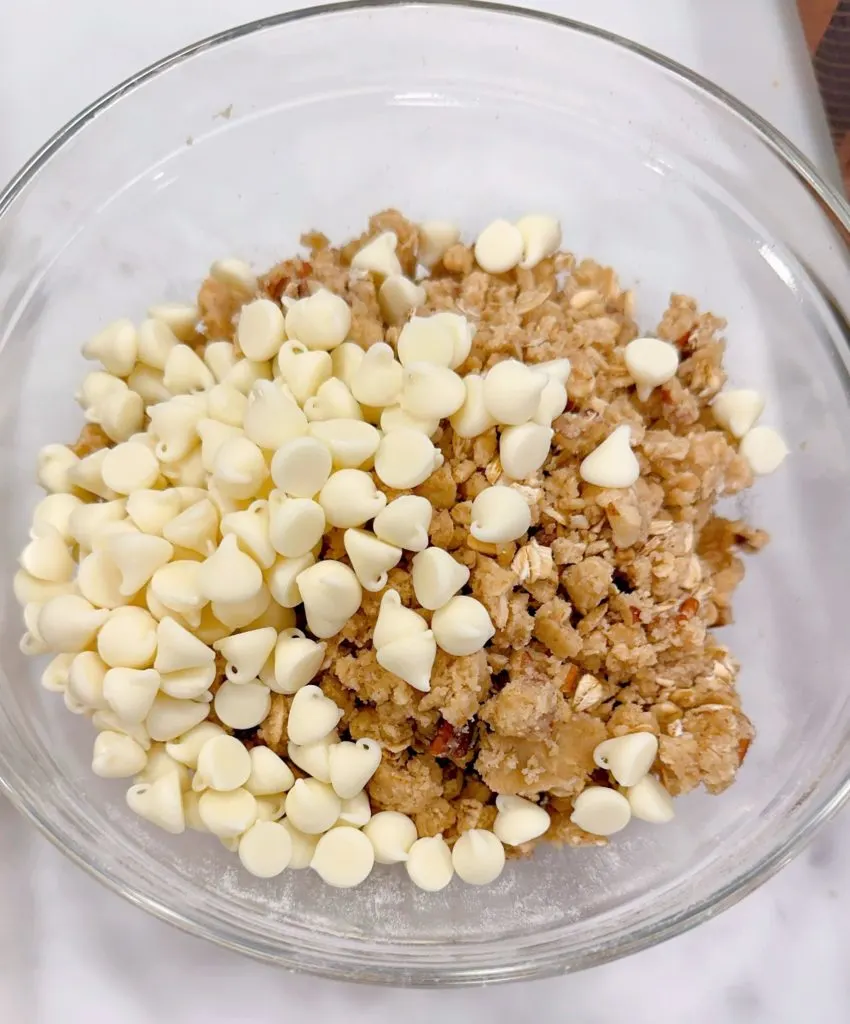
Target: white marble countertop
(72, 952)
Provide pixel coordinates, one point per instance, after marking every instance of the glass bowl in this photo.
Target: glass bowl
(236, 145)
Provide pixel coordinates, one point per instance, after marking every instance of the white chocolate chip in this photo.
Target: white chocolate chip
(160, 803)
(130, 692)
(472, 419)
(395, 622)
(541, 237)
(628, 758)
(87, 474)
(178, 649)
(405, 522)
(108, 721)
(188, 747)
(343, 858)
(88, 521)
(195, 528)
(265, 849)
(391, 834)
(169, 718)
(160, 763)
(242, 705)
(601, 811)
(512, 391)
(55, 677)
(185, 372)
(29, 590)
(305, 373)
(612, 463)
(239, 469)
(234, 273)
(519, 821)
(378, 378)
(333, 401)
(121, 415)
(393, 417)
(650, 801)
(312, 806)
(764, 449)
(296, 525)
(117, 756)
(314, 758)
(346, 358)
(312, 716)
(303, 847)
(54, 465)
(128, 467)
(223, 764)
(462, 626)
(259, 330)
(137, 556)
(239, 614)
(355, 811)
(553, 401)
(411, 659)
(429, 864)
(350, 497)
(176, 587)
(115, 347)
(301, 467)
(229, 574)
(246, 653)
(436, 237)
(148, 385)
(499, 515)
(47, 557)
(283, 579)
(650, 362)
(85, 680)
(370, 558)
(331, 594)
(462, 333)
(128, 638)
(69, 622)
(271, 418)
(352, 765)
(499, 247)
(426, 339)
(152, 510)
(398, 297)
(436, 577)
(56, 510)
(189, 683)
(478, 857)
(245, 373)
(738, 410)
(429, 391)
(405, 458)
(378, 256)
(320, 321)
(96, 386)
(297, 659)
(179, 317)
(270, 774)
(252, 529)
(229, 814)
(175, 424)
(350, 442)
(227, 405)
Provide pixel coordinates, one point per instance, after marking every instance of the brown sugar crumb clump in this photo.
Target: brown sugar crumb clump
(604, 610)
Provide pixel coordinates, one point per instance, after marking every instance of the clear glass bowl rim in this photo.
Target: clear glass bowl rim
(835, 205)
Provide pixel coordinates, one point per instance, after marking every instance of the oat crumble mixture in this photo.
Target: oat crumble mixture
(606, 612)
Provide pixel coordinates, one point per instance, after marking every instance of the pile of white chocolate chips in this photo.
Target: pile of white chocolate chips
(176, 572)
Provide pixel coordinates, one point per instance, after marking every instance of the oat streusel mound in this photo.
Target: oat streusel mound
(604, 610)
